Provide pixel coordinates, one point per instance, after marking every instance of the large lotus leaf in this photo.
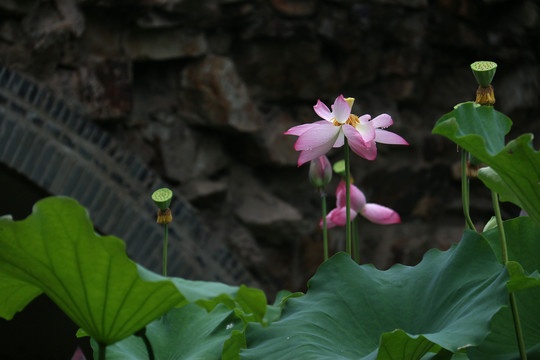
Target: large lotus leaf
(237, 341)
(358, 312)
(88, 276)
(523, 245)
(515, 174)
(15, 295)
(247, 304)
(515, 168)
(186, 333)
(250, 304)
(472, 119)
(233, 345)
(204, 293)
(519, 278)
(524, 248)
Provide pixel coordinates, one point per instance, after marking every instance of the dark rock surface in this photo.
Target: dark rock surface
(203, 90)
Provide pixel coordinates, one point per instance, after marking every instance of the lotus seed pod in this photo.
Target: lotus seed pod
(162, 198)
(484, 71)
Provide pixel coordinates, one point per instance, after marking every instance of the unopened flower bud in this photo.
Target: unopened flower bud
(491, 224)
(320, 171)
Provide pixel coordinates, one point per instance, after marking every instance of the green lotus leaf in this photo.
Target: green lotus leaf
(186, 333)
(247, 304)
(501, 342)
(207, 294)
(523, 246)
(514, 173)
(472, 119)
(359, 312)
(522, 236)
(522, 243)
(233, 345)
(519, 279)
(89, 276)
(514, 170)
(15, 295)
(250, 304)
(191, 333)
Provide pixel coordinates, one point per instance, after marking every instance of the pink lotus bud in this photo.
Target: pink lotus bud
(320, 171)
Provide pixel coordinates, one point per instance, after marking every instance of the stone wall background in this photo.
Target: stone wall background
(202, 90)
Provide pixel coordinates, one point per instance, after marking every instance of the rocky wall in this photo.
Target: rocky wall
(202, 90)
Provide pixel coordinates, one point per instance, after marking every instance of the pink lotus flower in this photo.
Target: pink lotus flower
(375, 213)
(362, 133)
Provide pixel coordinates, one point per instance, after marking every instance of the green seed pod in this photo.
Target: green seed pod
(484, 71)
(162, 198)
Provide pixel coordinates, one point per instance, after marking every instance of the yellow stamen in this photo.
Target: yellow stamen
(485, 95)
(164, 216)
(352, 120)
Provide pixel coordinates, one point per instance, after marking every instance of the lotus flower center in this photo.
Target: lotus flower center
(352, 120)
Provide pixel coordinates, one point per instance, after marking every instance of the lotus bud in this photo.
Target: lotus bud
(320, 171)
(491, 224)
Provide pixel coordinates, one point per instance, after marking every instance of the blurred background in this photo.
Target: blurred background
(200, 92)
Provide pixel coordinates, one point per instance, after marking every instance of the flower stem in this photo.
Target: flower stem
(165, 241)
(325, 232)
(502, 235)
(147, 343)
(102, 351)
(356, 241)
(348, 197)
(465, 190)
(504, 255)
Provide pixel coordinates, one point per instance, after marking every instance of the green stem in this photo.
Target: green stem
(348, 197)
(147, 343)
(356, 241)
(165, 241)
(102, 351)
(517, 326)
(325, 231)
(502, 235)
(504, 255)
(465, 190)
